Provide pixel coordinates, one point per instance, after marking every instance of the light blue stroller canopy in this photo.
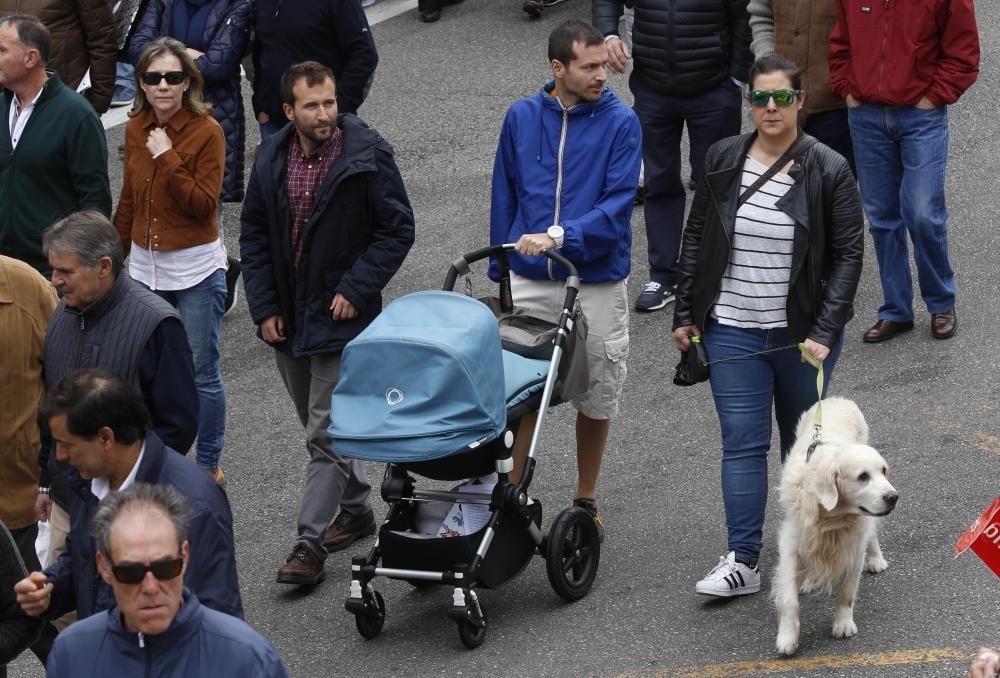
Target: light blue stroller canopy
(425, 380)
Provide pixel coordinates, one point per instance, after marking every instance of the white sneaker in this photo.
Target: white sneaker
(729, 578)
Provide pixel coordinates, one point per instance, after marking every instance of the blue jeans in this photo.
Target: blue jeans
(901, 154)
(832, 128)
(710, 116)
(124, 81)
(744, 391)
(201, 308)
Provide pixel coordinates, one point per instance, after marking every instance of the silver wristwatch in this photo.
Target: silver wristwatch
(556, 232)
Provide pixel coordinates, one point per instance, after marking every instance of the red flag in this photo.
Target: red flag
(984, 538)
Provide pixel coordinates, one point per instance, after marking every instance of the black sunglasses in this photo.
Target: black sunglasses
(782, 97)
(152, 78)
(134, 573)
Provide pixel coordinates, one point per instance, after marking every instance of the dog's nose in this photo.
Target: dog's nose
(890, 498)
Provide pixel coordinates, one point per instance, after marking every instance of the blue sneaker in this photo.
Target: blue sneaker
(654, 297)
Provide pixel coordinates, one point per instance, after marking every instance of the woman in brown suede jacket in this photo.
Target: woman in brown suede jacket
(174, 158)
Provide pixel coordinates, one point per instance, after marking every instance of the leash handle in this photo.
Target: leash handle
(818, 421)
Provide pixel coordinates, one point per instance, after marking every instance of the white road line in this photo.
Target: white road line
(377, 13)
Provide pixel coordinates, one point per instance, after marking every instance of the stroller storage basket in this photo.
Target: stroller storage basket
(509, 554)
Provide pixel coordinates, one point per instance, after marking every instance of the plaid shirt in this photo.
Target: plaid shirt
(303, 179)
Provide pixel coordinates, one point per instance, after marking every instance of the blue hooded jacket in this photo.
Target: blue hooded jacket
(601, 157)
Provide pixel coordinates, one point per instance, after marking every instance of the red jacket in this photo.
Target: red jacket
(894, 52)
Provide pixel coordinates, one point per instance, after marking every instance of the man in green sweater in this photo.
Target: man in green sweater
(53, 153)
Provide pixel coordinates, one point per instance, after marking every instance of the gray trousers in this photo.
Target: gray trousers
(331, 480)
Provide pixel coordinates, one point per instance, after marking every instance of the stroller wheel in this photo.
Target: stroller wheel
(472, 635)
(370, 622)
(573, 553)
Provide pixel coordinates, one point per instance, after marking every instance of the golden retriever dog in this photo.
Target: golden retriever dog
(832, 499)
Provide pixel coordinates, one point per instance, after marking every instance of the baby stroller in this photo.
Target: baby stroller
(431, 389)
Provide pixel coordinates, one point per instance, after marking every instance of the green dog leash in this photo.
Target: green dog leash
(818, 420)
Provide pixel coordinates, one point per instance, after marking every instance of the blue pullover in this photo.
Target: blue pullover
(578, 167)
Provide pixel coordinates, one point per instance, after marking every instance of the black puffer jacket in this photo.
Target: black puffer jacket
(227, 35)
(826, 255)
(683, 47)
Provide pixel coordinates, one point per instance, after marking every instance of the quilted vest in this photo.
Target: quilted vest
(110, 334)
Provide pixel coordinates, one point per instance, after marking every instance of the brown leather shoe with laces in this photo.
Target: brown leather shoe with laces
(302, 568)
(883, 330)
(347, 528)
(943, 325)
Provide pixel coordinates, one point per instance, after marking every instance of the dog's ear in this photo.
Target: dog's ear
(826, 488)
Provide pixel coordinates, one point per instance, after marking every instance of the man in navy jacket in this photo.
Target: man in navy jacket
(326, 224)
(158, 627)
(101, 426)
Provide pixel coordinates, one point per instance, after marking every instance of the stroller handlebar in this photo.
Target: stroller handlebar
(461, 267)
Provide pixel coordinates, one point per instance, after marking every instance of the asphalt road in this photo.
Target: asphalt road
(439, 97)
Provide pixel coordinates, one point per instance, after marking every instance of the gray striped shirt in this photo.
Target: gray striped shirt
(755, 285)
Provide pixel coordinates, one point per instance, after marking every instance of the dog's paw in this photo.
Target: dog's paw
(844, 628)
(876, 564)
(787, 644)
(788, 636)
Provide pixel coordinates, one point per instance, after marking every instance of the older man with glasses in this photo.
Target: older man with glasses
(157, 627)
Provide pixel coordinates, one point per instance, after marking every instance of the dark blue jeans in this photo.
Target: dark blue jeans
(201, 308)
(745, 391)
(833, 129)
(902, 155)
(709, 117)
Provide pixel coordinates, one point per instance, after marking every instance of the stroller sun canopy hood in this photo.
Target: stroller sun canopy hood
(425, 380)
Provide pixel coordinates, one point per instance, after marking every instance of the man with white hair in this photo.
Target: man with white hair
(158, 627)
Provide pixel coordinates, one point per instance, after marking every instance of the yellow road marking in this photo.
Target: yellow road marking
(805, 664)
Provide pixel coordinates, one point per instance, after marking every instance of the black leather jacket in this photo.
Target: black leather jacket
(826, 255)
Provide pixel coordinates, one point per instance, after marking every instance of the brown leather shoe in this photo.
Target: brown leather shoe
(883, 330)
(347, 528)
(217, 475)
(943, 325)
(302, 568)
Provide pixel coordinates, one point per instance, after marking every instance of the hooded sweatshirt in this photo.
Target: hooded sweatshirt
(577, 167)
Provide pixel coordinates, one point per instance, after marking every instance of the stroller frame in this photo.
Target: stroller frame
(572, 547)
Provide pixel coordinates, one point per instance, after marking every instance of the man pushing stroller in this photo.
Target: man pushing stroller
(572, 192)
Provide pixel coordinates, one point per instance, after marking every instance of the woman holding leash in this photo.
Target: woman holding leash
(175, 155)
(771, 257)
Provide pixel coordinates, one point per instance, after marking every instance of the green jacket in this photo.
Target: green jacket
(60, 167)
